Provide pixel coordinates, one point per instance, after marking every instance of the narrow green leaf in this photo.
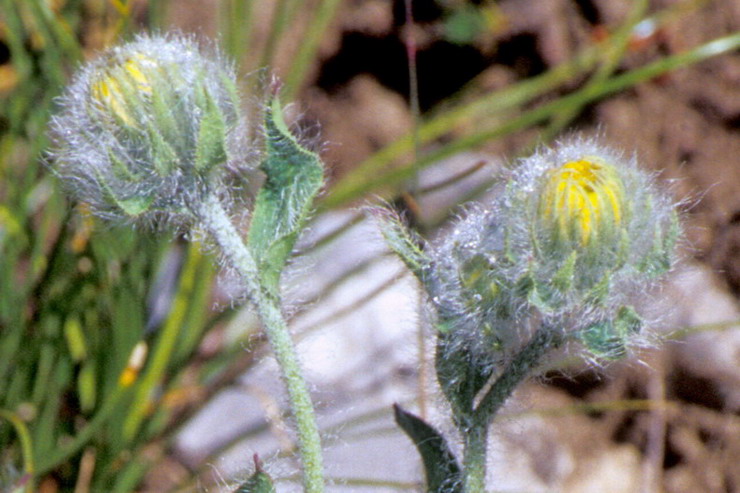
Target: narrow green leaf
(75, 338)
(164, 157)
(403, 242)
(534, 292)
(131, 206)
(293, 177)
(563, 278)
(211, 148)
(87, 386)
(168, 114)
(134, 206)
(660, 258)
(441, 466)
(121, 170)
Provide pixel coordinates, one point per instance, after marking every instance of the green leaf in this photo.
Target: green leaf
(293, 177)
(131, 206)
(167, 112)
(134, 206)
(164, 156)
(403, 242)
(538, 294)
(599, 291)
(602, 339)
(609, 339)
(259, 482)
(210, 150)
(75, 338)
(563, 278)
(87, 386)
(440, 465)
(660, 258)
(121, 170)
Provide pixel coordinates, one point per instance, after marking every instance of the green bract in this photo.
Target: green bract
(147, 128)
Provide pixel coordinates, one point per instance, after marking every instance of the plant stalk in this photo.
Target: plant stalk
(216, 222)
(474, 466)
(476, 435)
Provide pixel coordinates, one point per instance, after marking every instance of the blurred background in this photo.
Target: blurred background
(415, 103)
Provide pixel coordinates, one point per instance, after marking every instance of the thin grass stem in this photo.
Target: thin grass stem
(325, 13)
(350, 188)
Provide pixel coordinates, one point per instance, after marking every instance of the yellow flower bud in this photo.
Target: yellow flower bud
(583, 199)
(574, 236)
(148, 129)
(111, 88)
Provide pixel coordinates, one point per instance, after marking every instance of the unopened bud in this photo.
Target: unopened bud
(147, 129)
(573, 233)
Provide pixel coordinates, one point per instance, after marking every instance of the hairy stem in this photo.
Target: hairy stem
(544, 340)
(476, 435)
(216, 223)
(474, 465)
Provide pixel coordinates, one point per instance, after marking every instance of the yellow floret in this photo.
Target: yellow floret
(583, 199)
(111, 90)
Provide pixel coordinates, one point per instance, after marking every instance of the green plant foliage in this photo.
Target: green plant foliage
(441, 468)
(404, 243)
(293, 177)
(610, 338)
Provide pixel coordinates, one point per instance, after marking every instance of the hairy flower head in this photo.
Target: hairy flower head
(147, 129)
(573, 234)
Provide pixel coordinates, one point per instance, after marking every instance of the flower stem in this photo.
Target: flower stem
(476, 434)
(545, 339)
(476, 442)
(216, 223)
